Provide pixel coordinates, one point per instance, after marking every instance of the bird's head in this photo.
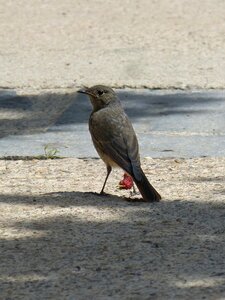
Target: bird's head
(99, 95)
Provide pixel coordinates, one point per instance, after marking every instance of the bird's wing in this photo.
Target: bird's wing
(121, 146)
(124, 151)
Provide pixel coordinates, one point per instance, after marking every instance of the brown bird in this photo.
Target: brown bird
(115, 140)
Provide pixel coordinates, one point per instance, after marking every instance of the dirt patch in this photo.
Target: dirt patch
(59, 240)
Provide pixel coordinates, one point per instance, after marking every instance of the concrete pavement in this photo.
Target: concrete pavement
(154, 44)
(168, 123)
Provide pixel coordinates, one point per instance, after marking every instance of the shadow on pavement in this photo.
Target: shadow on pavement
(32, 113)
(122, 250)
(36, 113)
(150, 104)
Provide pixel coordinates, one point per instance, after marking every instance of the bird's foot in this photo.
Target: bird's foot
(134, 192)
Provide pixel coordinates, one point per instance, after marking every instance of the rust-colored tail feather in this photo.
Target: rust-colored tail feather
(147, 191)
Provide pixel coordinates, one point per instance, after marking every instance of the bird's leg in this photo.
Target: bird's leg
(134, 192)
(109, 169)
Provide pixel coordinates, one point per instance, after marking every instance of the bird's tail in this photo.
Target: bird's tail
(146, 189)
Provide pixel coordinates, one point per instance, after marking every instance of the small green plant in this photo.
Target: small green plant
(51, 152)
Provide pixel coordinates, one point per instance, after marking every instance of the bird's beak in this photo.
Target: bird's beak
(84, 92)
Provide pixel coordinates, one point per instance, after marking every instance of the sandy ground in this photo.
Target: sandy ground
(140, 43)
(60, 241)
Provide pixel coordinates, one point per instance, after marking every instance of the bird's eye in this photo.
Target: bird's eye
(100, 93)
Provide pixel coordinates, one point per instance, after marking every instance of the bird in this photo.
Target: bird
(115, 140)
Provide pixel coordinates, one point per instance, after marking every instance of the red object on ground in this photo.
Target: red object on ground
(127, 182)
